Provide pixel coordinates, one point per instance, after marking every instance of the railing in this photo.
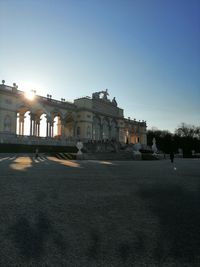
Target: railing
(55, 101)
(6, 87)
(35, 140)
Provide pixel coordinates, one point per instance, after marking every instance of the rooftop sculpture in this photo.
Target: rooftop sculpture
(104, 96)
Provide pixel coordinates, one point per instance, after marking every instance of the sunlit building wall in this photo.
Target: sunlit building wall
(30, 118)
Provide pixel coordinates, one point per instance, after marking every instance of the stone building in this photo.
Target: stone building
(93, 118)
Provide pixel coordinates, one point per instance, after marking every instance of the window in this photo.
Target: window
(78, 131)
(7, 123)
(88, 132)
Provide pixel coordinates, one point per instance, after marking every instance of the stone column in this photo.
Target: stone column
(117, 133)
(127, 136)
(139, 133)
(92, 131)
(30, 127)
(47, 128)
(62, 129)
(32, 124)
(34, 127)
(109, 132)
(21, 124)
(38, 133)
(121, 135)
(101, 132)
(101, 128)
(51, 129)
(23, 127)
(74, 130)
(37, 126)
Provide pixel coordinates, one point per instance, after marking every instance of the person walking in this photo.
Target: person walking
(36, 153)
(172, 156)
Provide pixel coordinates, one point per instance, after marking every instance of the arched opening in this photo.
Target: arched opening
(23, 121)
(69, 126)
(132, 136)
(56, 127)
(27, 123)
(126, 136)
(43, 125)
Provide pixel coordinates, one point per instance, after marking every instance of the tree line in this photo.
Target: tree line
(185, 137)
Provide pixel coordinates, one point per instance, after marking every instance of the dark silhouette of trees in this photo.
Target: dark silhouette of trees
(185, 137)
(164, 139)
(187, 130)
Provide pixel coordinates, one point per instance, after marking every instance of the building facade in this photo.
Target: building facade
(95, 118)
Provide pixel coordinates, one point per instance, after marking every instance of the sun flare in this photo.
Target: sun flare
(30, 95)
(31, 89)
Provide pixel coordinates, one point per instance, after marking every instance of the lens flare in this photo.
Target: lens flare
(30, 95)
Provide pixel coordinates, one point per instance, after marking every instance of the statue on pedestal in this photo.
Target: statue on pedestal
(154, 147)
(105, 94)
(114, 102)
(96, 95)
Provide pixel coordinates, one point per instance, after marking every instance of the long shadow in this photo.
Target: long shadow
(178, 212)
(30, 240)
(132, 249)
(94, 245)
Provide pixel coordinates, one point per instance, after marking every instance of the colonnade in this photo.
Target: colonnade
(108, 129)
(134, 134)
(103, 129)
(100, 134)
(34, 129)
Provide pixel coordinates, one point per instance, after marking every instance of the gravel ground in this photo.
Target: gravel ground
(99, 213)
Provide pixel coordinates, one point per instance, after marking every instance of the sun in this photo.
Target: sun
(30, 95)
(27, 88)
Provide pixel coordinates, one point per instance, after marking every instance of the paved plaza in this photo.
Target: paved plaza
(98, 213)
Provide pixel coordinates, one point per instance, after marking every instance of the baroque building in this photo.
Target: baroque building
(95, 118)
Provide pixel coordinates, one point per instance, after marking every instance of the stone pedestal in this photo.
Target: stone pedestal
(79, 154)
(136, 153)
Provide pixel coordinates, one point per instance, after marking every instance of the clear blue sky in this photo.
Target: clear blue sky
(146, 52)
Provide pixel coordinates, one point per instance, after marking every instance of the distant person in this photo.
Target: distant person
(36, 153)
(172, 156)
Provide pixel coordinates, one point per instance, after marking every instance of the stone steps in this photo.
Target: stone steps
(108, 156)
